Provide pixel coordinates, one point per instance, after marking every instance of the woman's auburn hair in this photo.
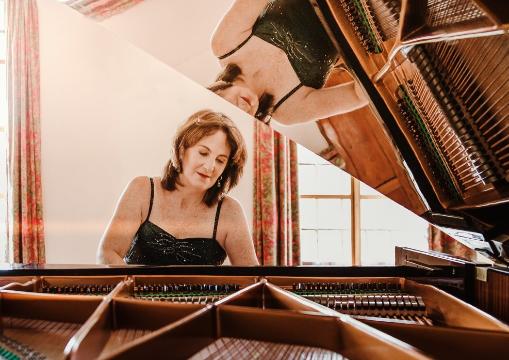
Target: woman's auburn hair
(199, 125)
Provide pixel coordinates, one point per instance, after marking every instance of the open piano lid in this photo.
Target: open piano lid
(436, 73)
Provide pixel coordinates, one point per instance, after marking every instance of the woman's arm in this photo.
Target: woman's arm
(236, 25)
(238, 243)
(316, 104)
(126, 220)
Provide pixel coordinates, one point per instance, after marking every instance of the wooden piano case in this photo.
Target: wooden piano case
(184, 312)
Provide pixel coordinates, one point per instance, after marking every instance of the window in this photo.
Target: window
(325, 211)
(344, 222)
(3, 133)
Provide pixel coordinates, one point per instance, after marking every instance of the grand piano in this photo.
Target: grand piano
(436, 74)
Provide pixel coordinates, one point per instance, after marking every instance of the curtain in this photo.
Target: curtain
(24, 198)
(101, 9)
(441, 242)
(276, 227)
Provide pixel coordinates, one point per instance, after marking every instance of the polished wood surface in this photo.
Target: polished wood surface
(368, 153)
(119, 325)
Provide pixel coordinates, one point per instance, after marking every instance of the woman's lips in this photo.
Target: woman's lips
(203, 176)
(246, 99)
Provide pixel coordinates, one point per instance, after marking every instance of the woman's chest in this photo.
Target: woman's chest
(183, 224)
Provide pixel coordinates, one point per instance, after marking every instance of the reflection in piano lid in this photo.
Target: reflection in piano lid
(437, 74)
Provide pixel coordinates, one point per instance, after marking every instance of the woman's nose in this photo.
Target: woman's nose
(209, 165)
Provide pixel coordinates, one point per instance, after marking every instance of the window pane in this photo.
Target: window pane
(367, 190)
(385, 225)
(334, 247)
(333, 181)
(334, 214)
(323, 180)
(384, 213)
(307, 179)
(308, 247)
(306, 156)
(377, 247)
(308, 213)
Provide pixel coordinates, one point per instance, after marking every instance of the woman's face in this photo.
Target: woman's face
(204, 162)
(242, 97)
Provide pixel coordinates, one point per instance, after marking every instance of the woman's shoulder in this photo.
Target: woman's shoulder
(138, 187)
(231, 208)
(139, 183)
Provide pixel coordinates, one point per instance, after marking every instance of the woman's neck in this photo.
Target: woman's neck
(185, 197)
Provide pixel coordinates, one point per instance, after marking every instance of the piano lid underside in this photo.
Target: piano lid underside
(444, 96)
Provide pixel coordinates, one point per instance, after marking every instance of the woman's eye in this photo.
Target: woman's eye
(203, 153)
(220, 161)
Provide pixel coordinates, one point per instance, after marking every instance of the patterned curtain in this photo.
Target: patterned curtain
(441, 242)
(276, 200)
(101, 9)
(24, 199)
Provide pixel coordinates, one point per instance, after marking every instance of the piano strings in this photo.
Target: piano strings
(233, 348)
(185, 293)
(34, 339)
(361, 17)
(440, 13)
(453, 95)
(461, 93)
(371, 300)
(81, 289)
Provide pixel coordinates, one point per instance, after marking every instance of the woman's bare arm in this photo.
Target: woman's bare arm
(322, 103)
(126, 220)
(236, 25)
(238, 243)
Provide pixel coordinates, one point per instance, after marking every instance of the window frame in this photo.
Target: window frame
(355, 198)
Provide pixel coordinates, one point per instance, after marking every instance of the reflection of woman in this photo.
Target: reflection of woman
(184, 218)
(275, 57)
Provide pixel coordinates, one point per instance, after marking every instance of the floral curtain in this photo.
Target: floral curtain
(441, 242)
(24, 198)
(276, 207)
(101, 9)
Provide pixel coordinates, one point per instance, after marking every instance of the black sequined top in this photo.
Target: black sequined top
(294, 27)
(153, 245)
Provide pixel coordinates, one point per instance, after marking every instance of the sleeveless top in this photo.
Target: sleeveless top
(153, 245)
(294, 27)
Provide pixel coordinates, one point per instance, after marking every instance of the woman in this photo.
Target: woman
(275, 57)
(185, 218)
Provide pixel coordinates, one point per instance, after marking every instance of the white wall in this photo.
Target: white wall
(178, 33)
(108, 113)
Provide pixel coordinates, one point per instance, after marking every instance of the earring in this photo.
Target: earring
(219, 181)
